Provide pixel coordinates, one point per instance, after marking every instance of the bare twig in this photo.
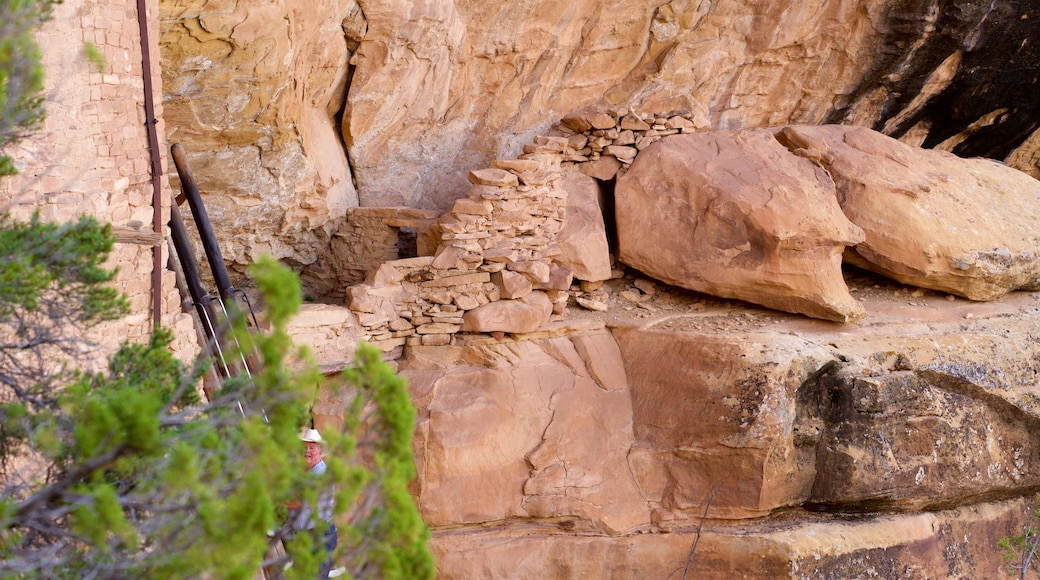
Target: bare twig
(1027, 557)
(82, 470)
(704, 516)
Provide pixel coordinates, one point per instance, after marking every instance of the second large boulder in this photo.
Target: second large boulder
(969, 227)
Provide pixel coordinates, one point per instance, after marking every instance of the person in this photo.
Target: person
(301, 516)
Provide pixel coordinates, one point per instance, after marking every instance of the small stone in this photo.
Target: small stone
(577, 142)
(576, 123)
(438, 328)
(648, 287)
(591, 304)
(622, 152)
(436, 339)
(469, 206)
(400, 324)
(632, 295)
(492, 176)
(602, 121)
(589, 286)
(466, 302)
(536, 271)
(633, 123)
(646, 307)
(512, 284)
(518, 164)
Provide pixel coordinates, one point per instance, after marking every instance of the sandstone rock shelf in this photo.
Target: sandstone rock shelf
(956, 543)
(590, 449)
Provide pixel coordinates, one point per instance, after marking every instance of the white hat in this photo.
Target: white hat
(311, 436)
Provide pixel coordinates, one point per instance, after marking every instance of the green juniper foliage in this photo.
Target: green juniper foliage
(21, 73)
(119, 470)
(125, 473)
(1022, 551)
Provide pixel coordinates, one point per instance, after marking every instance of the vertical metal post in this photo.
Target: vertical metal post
(153, 145)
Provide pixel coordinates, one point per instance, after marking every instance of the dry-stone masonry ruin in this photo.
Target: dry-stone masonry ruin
(619, 437)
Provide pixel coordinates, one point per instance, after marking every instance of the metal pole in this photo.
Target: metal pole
(198, 211)
(153, 145)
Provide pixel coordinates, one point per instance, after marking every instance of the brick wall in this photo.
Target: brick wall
(91, 156)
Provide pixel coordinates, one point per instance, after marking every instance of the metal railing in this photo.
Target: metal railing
(230, 358)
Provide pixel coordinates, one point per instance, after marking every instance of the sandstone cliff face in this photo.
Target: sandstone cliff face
(597, 452)
(294, 112)
(595, 445)
(252, 92)
(551, 448)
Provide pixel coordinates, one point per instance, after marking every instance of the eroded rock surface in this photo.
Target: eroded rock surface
(251, 92)
(955, 543)
(294, 111)
(970, 227)
(724, 417)
(919, 439)
(533, 430)
(734, 214)
(611, 447)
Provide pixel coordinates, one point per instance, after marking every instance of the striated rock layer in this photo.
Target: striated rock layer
(294, 111)
(956, 543)
(594, 451)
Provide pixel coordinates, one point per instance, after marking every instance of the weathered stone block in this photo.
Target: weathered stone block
(511, 285)
(526, 314)
(494, 177)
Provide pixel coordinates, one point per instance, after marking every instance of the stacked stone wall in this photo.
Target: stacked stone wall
(497, 243)
(605, 143)
(370, 236)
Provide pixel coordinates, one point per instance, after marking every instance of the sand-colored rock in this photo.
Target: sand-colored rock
(734, 214)
(711, 410)
(720, 394)
(956, 543)
(970, 227)
(330, 333)
(301, 100)
(525, 314)
(252, 91)
(583, 240)
(544, 436)
(415, 98)
(511, 285)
